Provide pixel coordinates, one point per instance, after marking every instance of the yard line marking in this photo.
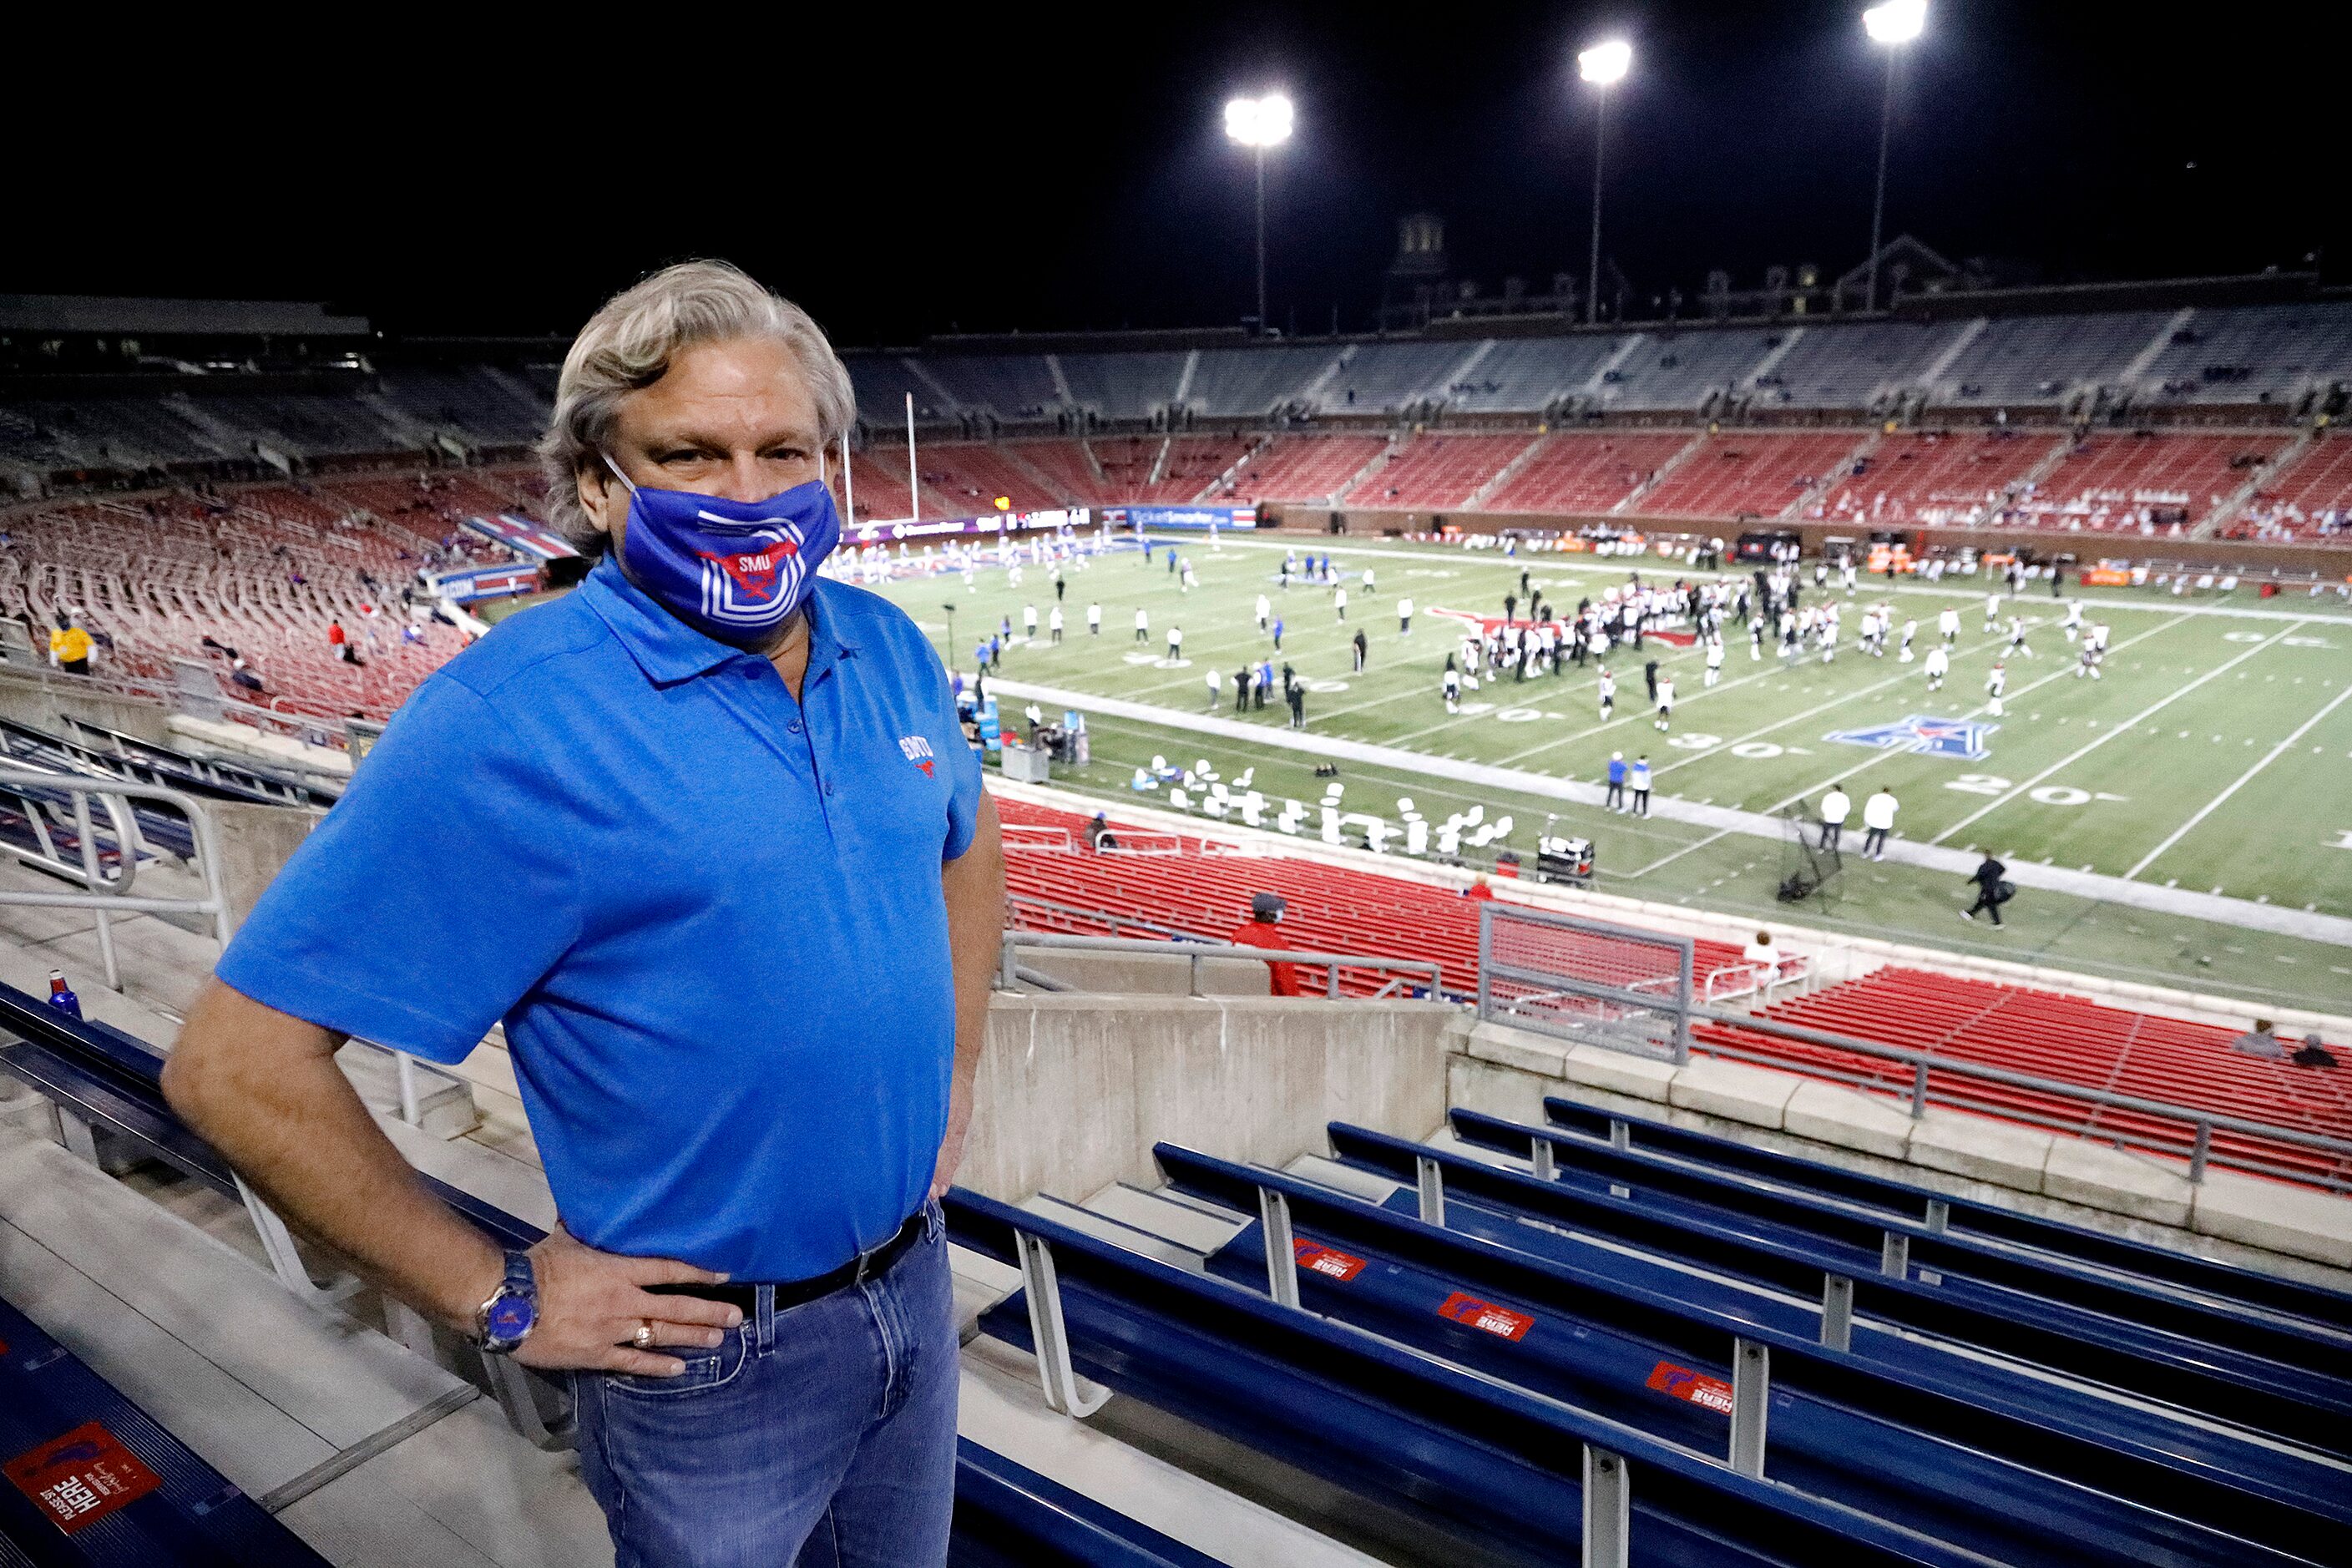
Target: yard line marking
(2081, 752)
(1873, 761)
(2242, 780)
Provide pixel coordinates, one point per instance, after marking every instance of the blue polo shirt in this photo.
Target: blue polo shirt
(710, 916)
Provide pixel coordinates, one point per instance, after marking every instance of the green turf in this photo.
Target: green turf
(2175, 767)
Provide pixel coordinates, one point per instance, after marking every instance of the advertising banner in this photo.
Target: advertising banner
(1181, 517)
(1003, 523)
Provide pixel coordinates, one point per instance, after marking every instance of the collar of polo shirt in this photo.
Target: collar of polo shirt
(670, 651)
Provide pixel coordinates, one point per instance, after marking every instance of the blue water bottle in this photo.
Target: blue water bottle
(61, 996)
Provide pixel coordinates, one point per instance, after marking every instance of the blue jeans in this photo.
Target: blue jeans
(822, 1435)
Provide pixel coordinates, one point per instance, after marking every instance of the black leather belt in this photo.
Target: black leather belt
(790, 1293)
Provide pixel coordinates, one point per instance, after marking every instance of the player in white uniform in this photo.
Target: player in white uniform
(1829, 635)
(1756, 641)
(1265, 611)
(1368, 583)
(2016, 637)
(1453, 688)
(1995, 685)
(1947, 624)
(2074, 621)
(1029, 623)
(1910, 630)
(1054, 624)
(1143, 626)
(1608, 695)
(1715, 659)
(1939, 664)
(1993, 613)
(1339, 602)
(1094, 620)
(1666, 719)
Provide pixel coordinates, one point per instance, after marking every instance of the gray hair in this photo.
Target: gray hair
(627, 346)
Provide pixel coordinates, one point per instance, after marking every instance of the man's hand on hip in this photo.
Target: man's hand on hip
(591, 1305)
(943, 1174)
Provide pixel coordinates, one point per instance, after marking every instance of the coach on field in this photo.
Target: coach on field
(706, 836)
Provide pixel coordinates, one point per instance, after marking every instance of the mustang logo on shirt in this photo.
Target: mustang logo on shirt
(918, 750)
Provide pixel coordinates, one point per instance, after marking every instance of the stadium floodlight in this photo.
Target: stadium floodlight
(1896, 22)
(1893, 24)
(1258, 123)
(1604, 66)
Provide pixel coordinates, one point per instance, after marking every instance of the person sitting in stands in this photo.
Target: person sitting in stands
(2312, 1054)
(1099, 834)
(1765, 954)
(70, 647)
(1263, 929)
(1478, 889)
(242, 676)
(2259, 1041)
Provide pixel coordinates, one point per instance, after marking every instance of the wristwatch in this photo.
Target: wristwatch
(505, 1320)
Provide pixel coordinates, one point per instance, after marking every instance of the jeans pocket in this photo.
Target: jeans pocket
(706, 1372)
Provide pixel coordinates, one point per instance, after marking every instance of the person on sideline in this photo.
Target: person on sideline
(1877, 821)
(1836, 806)
(713, 783)
(1991, 891)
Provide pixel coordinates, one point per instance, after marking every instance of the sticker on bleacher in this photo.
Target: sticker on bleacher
(1323, 1260)
(1500, 1321)
(79, 1478)
(1695, 1386)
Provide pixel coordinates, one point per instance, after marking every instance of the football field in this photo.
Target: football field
(2214, 755)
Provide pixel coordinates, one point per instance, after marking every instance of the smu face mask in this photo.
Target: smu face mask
(736, 570)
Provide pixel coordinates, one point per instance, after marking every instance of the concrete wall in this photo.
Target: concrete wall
(1149, 975)
(28, 699)
(256, 842)
(1075, 1090)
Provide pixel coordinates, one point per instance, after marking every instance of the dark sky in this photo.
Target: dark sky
(1041, 167)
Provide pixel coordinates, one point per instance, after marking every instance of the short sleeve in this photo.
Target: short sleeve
(434, 896)
(963, 795)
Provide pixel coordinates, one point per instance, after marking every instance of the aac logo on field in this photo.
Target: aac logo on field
(1958, 738)
(917, 751)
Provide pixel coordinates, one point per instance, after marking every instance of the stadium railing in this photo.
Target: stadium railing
(1925, 1445)
(1010, 970)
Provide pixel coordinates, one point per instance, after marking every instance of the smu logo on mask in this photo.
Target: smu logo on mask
(745, 585)
(918, 750)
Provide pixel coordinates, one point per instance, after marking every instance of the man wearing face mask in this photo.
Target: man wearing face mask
(650, 827)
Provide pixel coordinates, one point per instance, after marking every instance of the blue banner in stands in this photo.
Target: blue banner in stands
(522, 535)
(1191, 517)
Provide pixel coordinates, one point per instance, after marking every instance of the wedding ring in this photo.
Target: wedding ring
(645, 1335)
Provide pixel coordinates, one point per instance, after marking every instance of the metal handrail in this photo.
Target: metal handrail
(110, 898)
(1196, 948)
(2204, 1123)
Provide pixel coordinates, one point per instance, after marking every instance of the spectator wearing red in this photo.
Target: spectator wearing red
(1264, 929)
(1478, 889)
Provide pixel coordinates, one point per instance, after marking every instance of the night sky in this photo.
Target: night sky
(1046, 168)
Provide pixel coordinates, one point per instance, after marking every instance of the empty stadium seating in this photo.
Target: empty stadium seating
(1581, 472)
(2311, 498)
(1439, 471)
(1306, 468)
(2140, 479)
(1935, 477)
(1746, 473)
(2062, 1037)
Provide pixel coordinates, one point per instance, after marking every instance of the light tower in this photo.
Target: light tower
(1258, 123)
(1604, 66)
(1892, 25)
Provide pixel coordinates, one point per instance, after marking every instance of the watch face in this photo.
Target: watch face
(510, 1317)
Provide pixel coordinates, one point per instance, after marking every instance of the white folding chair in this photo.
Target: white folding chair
(1416, 837)
(1404, 805)
(1176, 798)
(1330, 826)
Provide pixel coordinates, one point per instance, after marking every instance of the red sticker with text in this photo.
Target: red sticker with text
(1695, 1386)
(82, 1477)
(1499, 1320)
(1323, 1260)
